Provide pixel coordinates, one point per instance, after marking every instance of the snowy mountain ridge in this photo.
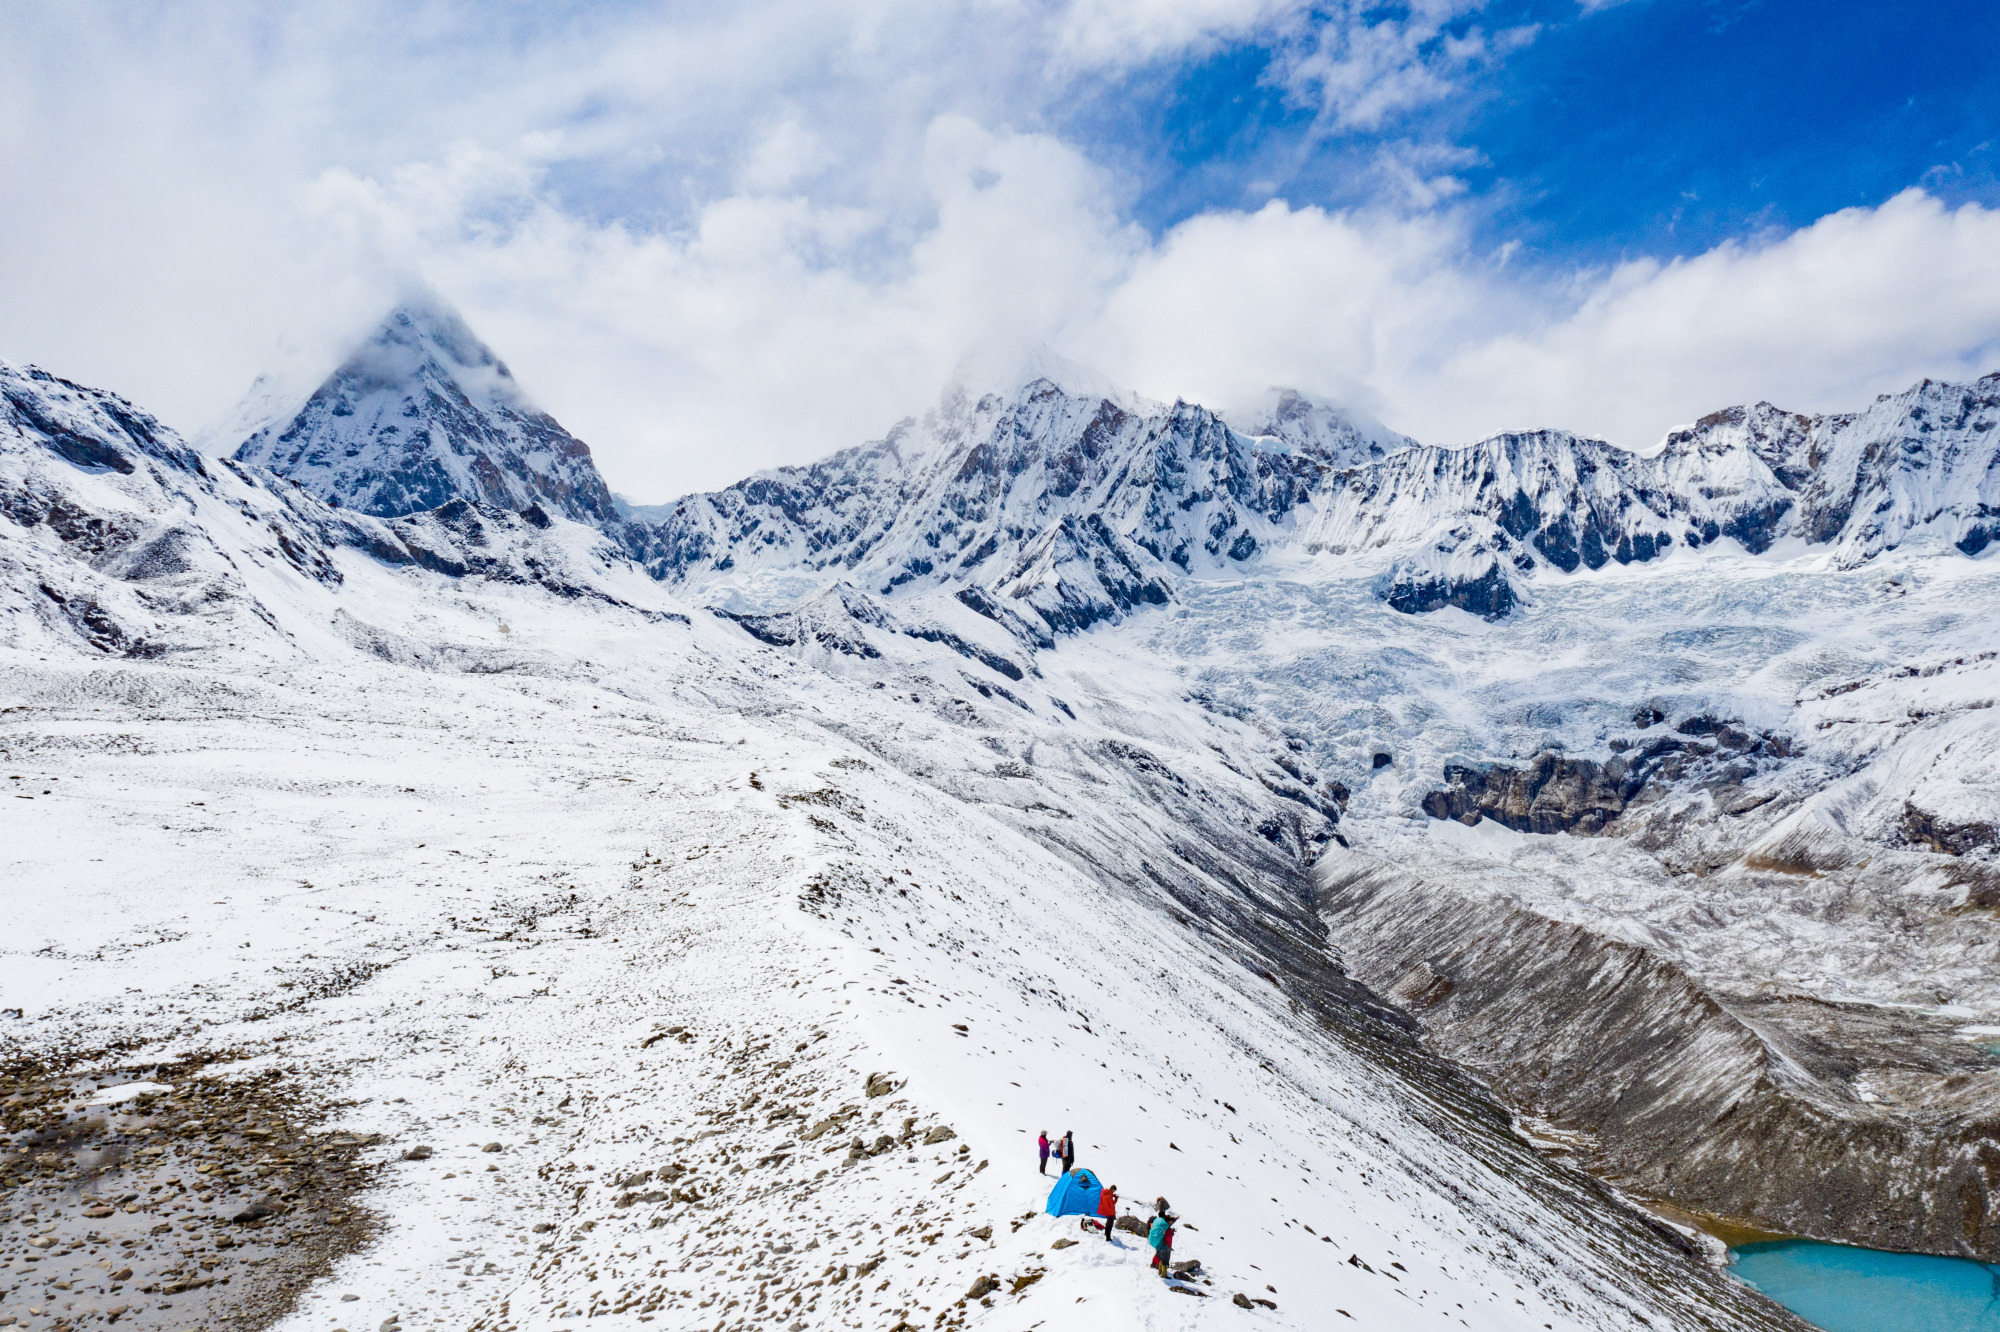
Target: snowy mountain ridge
(1083, 509)
(1050, 487)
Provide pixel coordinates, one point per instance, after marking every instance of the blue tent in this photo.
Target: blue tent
(1075, 1194)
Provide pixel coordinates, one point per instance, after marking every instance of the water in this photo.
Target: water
(1845, 1289)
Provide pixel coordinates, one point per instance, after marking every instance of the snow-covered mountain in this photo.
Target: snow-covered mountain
(1064, 756)
(1053, 489)
(747, 941)
(423, 413)
(1076, 508)
(1081, 506)
(1337, 435)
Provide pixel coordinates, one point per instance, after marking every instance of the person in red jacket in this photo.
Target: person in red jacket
(1107, 1209)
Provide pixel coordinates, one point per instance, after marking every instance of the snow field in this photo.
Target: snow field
(493, 890)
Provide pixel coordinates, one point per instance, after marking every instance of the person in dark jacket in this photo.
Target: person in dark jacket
(1068, 1151)
(1043, 1143)
(1107, 1209)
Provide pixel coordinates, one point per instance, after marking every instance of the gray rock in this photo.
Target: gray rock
(270, 1205)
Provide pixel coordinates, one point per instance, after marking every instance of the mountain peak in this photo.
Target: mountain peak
(1341, 435)
(422, 413)
(985, 374)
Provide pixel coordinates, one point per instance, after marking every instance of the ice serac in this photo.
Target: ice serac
(421, 414)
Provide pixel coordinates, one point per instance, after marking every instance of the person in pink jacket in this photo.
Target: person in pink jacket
(1043, 1143)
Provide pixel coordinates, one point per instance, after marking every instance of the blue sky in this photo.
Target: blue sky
(1656, 127)
(712, 238)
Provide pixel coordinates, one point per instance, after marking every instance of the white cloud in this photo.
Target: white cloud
(716, 244)
(1864, 301)
(1401, 315)
(1371, 62)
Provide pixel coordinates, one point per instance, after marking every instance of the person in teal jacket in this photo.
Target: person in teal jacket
(1161, 1236)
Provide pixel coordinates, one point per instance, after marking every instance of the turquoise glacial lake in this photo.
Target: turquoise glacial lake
(1845, 1289)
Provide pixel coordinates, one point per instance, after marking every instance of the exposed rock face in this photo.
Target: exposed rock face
(1463, 568)
(87, 428)
(1552, 793)
(423, 414)
(1922, 828)
(1738, 1107)
(1488, 595)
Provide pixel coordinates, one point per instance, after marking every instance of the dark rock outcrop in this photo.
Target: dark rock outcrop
(1922, 828)
(1553, 793)
(1488, 595)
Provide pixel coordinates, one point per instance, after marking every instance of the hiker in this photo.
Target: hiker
(1043, 1143)
(1107, 1207)
(1161, 1237)
(1068, 1151)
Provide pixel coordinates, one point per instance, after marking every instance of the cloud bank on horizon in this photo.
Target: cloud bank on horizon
(711, 240)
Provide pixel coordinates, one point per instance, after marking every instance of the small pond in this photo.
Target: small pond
(1845, 1289)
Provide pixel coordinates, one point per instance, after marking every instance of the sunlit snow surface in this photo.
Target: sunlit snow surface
(498, 885)
(487, 836)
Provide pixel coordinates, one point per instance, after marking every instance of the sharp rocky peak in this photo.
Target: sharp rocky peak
(423, 413)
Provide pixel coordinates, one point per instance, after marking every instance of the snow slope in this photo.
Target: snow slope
(480, 834)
